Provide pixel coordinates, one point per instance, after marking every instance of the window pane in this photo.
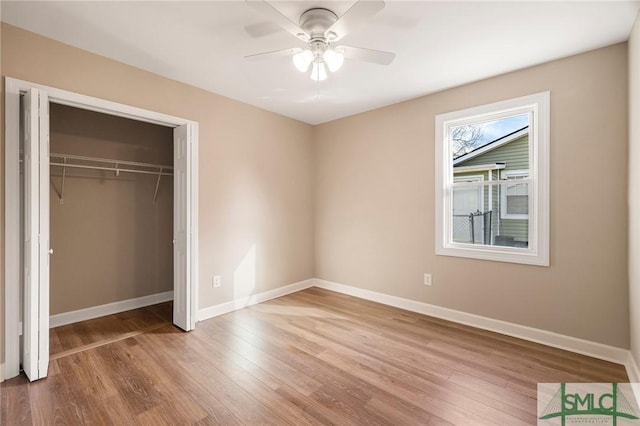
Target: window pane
(517, 199)
(467, 138)
(477, 220)
(466, 201)
(518, 204)
(494, 150)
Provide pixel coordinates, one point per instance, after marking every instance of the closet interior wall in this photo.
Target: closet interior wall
(111, 240)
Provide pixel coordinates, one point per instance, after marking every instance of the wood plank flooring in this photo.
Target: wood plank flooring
(313, 357)
(72, 338)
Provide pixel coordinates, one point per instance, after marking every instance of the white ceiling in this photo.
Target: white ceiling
(437, 45)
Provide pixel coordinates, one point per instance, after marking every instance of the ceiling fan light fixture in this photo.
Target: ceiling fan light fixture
(320, 28)
(302, 60)
(333, 59)
(319, 71)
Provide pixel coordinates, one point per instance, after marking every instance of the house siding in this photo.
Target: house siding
(515, 154)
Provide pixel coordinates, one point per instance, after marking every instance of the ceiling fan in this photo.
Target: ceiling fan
(319, 28)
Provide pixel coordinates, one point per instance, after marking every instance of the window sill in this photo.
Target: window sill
(495, 253)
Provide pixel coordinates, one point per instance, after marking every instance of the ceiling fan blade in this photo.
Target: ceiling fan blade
(274, 54)
(368, 55)
(262, 29)
(353, 18)
(275, 15)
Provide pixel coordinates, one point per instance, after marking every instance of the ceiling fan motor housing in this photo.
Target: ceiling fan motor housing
(316, 22)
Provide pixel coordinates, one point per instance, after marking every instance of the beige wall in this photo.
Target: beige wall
(375, 225)
(634, 187)
(111, 241)
(2, 309)
(373, 179)
(256, 167)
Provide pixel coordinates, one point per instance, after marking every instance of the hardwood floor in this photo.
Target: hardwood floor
(313, 357)
(72, 338)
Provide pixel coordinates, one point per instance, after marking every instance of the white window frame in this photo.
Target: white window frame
(537, 252)
(510, 175)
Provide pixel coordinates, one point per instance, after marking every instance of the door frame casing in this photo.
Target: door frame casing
(13, 89)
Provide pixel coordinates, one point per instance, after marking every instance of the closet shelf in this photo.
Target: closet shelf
(62, 160)
(116, 164)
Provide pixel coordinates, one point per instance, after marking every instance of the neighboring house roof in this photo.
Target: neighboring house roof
(503, 140)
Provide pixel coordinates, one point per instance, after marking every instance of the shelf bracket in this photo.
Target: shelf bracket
(64, 175)
(64, 172)
(155, 194)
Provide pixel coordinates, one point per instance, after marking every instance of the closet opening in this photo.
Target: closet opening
(111, 228)
(102, 174)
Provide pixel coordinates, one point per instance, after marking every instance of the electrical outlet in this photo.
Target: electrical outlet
(427, 279)
(216, 281)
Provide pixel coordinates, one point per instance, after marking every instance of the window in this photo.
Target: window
(515, 197)
(492, 181)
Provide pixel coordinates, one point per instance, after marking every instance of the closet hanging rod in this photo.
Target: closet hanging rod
(112, 169)
(108, 161)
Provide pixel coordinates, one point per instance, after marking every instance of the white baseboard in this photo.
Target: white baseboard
(223, 308)
(2, 372)
(632, 369)
(634, 376)
(560, 341)
(108, 309)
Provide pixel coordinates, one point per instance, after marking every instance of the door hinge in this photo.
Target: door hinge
(19, 328)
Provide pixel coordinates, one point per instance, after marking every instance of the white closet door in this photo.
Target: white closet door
(36, 235)
(181, 230)
(45, 235)
(30, 134)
